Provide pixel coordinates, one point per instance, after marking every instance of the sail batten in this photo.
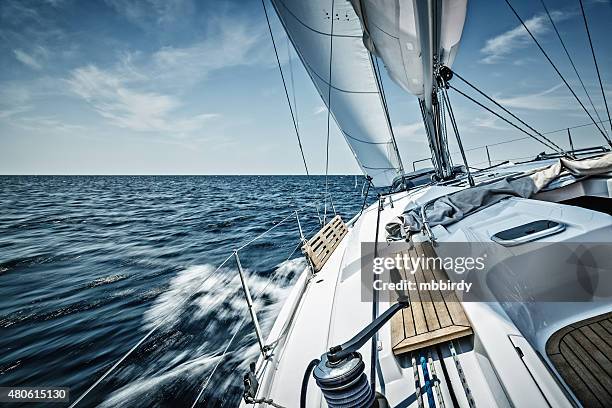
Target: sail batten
(344, 77)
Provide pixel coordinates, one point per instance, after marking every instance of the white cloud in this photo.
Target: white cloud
(14, 99)
(27, 59)
(7, 113)
(159, 12)
(500, 46)
(544, 100)
(142, 92)
(319, 110)
(46, 124)
(413, 131)
(238, 42)
(487, 122)
(115, 96)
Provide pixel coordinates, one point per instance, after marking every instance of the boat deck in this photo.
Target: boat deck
(582, 353)
(434, 316)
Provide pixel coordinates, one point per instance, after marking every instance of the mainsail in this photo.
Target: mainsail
(329, 43)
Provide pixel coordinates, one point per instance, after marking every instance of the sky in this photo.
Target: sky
(192, 87)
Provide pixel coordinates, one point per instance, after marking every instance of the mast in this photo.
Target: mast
(428, 20)
(415, 39)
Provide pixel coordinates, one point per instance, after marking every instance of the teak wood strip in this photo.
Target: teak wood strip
(582, 355)
(433, 316)
(320, 247)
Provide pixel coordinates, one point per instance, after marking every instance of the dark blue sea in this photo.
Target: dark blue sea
(90, 264)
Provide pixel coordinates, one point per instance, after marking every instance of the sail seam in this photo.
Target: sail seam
(364, 141)
(335, 87)
(384, 32)
(377, 168)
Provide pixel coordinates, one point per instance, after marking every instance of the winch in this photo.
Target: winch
(340, 371)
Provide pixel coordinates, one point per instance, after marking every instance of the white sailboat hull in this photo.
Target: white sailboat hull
(327, 310)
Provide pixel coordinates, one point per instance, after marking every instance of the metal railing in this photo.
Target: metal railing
(264, 349)
(487, 147)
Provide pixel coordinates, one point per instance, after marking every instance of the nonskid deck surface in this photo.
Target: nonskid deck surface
(582, 354)
(434, 316)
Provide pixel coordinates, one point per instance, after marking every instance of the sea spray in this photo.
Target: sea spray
(214, 298)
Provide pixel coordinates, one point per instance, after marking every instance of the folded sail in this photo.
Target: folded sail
(408, 35)
(340, 60)
(414, 37)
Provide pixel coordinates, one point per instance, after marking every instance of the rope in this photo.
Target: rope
(163, 320)
(572, 127)
(388, 116)
(218, 363)
(225, 351)
(267, 231)
(451, 115)
(266, 401)
(297, 119)
(502, 118)
(557, 71)
(507, 111)
(527, 137)
(603, 94)
(329, 87)
(280, 69)
(142, 340)
(570, 60)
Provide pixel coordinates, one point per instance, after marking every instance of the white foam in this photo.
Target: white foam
(218, 297)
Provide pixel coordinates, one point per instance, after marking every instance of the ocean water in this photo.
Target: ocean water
(90, 264)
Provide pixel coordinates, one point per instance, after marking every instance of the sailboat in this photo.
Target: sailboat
(459, 286)
(538, 334)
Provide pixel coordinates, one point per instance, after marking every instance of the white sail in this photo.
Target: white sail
(413, 38)
(340, 60)
(408, 34)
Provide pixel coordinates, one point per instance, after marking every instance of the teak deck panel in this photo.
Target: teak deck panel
(433, 316)
(582, 354)
(320, 247)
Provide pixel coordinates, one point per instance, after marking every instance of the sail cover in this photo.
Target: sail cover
(339, 60)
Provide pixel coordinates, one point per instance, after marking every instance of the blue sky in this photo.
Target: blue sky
(192, 87)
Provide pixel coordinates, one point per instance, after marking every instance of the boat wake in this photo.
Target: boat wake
(200, 312)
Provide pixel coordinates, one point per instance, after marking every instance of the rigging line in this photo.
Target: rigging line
(385, 106)
(558, 72)
(527, 137)
(255, 297)
(280, 69)
(142, 340)
(559, 149)
(501, 117)
(603, 94)
(451, 116)
(570, 60)
(331, 55)
(297, 120)
(221, 357)
(572, 127)
(267, 231)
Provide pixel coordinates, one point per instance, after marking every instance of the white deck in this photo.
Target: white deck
(331, 311)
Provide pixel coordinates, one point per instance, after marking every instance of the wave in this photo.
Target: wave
(106, 280)
(213, 301)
